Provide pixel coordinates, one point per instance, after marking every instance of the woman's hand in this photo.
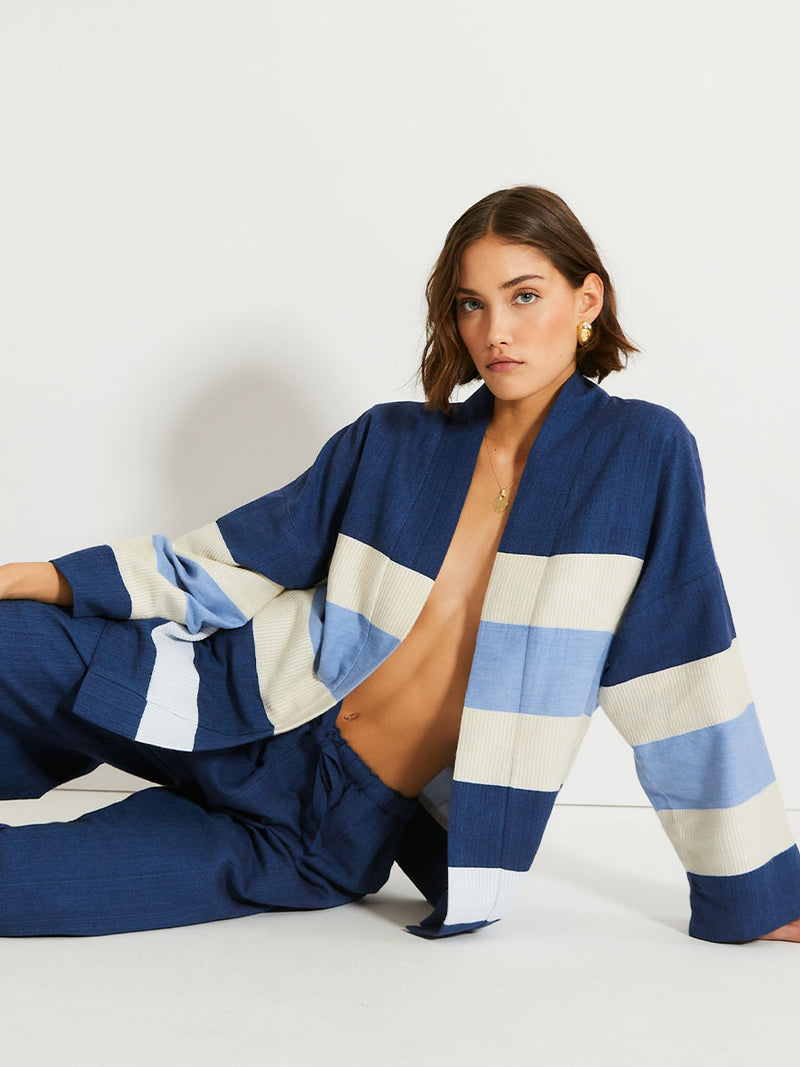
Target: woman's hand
(34, 581)
(789, 932)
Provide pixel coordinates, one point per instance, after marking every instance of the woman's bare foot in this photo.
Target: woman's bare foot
(789, 932)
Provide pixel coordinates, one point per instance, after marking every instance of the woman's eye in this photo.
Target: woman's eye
(527, 297)
(465, 304)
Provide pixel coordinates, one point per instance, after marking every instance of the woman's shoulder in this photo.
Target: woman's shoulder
(384, 417)
(645, 422)
(401, 416)
(620, 417)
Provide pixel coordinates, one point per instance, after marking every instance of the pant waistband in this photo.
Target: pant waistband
(362, 776)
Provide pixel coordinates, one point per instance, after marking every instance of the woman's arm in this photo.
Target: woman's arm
(220, 575)
(674, 686)
(34, 581)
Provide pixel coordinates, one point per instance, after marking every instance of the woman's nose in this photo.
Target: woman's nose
(498, 328)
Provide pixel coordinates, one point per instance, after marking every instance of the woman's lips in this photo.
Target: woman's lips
(501, 365)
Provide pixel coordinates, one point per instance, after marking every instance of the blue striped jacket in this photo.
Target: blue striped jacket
(605, 590)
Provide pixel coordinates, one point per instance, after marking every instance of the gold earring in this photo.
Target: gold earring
(584, 332)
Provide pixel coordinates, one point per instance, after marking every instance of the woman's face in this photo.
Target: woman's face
(518, 317)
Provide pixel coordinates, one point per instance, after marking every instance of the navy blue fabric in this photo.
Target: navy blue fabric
(229, 698)
(745, 906)
(605, 475)
(429, 929)
(679, 610)
(230, 706)
(116, 601)
(507, 821)
(422, 855)
(293, 821)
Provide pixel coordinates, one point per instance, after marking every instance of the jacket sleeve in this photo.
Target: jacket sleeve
(222, 574)
(674, 687)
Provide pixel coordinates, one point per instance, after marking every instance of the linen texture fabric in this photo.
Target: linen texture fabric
(296, 821)
(605, 591)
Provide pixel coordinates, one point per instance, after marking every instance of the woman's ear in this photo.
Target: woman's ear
(591, 298)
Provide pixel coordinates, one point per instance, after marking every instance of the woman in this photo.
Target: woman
(410, 636)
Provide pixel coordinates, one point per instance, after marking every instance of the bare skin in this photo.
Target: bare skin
(404, 718)
(34, 581)
(789, 932)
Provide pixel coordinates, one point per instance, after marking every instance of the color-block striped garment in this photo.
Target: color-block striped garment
(604, 591)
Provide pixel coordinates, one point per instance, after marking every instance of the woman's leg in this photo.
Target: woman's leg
(295, 821)
(291, 822)
(44, 654)
(43, 657)
(154, 859)
(313, 828)
(146, 861)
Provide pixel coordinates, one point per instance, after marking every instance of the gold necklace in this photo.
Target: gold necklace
(501, 501)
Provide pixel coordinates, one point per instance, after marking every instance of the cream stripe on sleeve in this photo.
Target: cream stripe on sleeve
(680, 699)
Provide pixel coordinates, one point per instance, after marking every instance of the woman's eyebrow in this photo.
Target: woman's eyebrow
(508, 284)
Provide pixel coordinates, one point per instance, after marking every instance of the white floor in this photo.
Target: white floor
(592, 967)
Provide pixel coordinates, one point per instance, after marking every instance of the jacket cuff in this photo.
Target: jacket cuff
(97, 586)
(745, 906)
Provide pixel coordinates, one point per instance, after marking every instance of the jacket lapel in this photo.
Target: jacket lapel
(543, 489)
(478, 821)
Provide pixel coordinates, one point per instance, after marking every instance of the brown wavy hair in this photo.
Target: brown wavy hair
(530, 215)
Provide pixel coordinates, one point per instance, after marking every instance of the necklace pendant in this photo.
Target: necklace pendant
(500, 502)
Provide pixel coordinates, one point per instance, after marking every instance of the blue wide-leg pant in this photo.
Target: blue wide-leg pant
(292, 821)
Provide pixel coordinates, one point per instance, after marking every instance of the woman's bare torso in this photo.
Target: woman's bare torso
(404, 718)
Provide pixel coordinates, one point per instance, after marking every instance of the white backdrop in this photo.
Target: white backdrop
(218, 218)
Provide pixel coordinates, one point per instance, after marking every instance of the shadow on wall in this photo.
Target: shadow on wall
(244, 436)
